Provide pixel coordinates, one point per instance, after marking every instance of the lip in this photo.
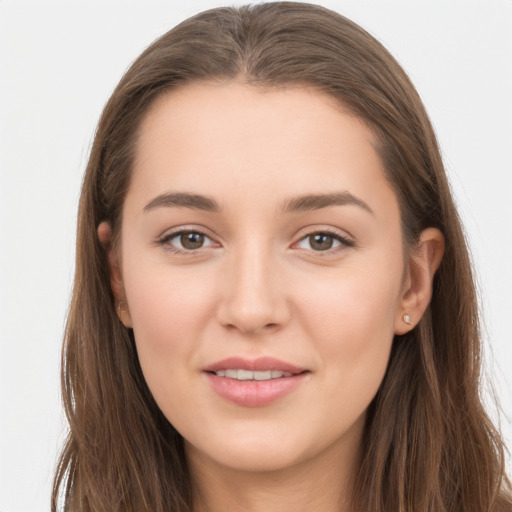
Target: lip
(254, 393)
(261, 364)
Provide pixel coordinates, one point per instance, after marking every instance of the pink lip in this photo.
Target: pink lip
(254, 393)
(262, 364)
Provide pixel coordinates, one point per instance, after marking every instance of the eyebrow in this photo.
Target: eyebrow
(297, 204)
(318, 201)
(184, 200)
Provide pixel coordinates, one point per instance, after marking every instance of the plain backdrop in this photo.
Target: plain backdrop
(59, 62)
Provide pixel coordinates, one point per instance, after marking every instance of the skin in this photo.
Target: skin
(259, 286)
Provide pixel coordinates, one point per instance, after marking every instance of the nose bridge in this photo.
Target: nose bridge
(253, 298)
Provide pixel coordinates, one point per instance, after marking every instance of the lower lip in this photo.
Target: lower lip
(254, 393)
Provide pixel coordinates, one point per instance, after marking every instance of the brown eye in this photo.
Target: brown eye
(324, 241)
(182, 242)
(321, 242)
(192, 240)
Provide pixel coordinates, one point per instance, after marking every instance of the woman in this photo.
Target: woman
(273, 304)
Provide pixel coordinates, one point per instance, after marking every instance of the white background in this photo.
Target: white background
(59, 62)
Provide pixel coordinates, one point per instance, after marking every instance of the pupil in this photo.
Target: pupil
(192, 240)
(320, 242)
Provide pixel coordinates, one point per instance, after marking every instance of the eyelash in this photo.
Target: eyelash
(165, 241)
(345, 243)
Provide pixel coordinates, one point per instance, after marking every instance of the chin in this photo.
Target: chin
(260, 448)
(250, 458)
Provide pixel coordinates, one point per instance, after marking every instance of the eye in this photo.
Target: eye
(186, 241)
(323, 242)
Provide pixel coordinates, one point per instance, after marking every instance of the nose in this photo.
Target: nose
(254, 299)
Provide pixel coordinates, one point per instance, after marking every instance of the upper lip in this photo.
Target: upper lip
(261, 364)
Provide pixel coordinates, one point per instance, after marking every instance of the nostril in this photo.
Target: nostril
(253, 330)
(249, 311)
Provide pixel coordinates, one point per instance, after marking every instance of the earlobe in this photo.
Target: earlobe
(422, 266)
(116, 281)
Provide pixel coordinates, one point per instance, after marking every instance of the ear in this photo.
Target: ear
(417, 291)
(116, 280)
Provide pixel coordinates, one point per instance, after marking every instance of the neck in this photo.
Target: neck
(323, 483)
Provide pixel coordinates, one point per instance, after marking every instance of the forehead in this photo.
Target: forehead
(239, 141)
(193, 109)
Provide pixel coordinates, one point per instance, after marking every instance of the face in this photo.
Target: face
(262, 269)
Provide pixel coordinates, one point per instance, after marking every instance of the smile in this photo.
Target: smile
(254, 382)
(251, 375)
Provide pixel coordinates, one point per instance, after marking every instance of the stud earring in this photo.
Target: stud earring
(407, 319)
(119, 307)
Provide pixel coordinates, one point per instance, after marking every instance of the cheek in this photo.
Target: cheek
(166, 306)
(169, 309)
(352, 325)
(163, 293)
(352, 308)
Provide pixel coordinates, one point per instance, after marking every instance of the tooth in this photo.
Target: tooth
(263, 375)
(250, 375)
(244, 375)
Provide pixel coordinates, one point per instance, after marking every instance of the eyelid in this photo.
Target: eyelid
(164, 240)
(345, 242)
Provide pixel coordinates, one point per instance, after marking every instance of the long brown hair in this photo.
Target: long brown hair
(428, 443)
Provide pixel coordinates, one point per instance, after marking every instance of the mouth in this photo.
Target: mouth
(250, 375)
(254, 383)
(242, 368)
